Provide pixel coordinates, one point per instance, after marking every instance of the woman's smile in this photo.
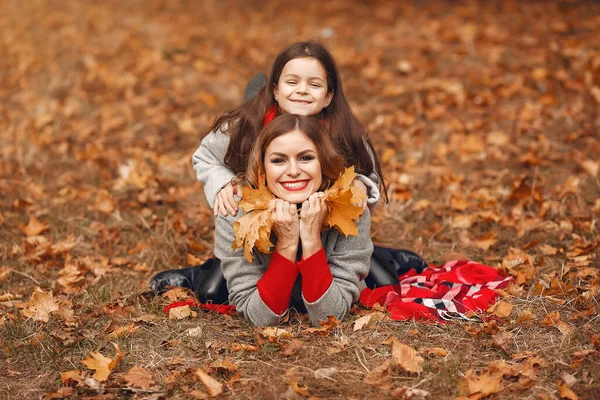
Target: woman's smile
(294, 186)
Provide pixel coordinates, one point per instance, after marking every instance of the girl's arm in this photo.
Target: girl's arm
(372, 183)
(208, 162)
(260, 290)
(331, 277)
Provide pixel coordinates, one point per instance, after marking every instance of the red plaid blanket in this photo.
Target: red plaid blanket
(439, 293)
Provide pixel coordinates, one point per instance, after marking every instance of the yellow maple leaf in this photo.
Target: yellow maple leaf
(41, 305)
(254, 229)
(102, 364)
(341, 199)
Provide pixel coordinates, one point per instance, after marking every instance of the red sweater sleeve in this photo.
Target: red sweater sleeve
(275, 286)
(316, 276)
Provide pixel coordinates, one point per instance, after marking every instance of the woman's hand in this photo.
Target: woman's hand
(225, 202)
(285, 226)
(312, 216)
(357, 184)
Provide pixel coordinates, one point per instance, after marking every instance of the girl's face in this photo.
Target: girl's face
(302, 87)
(292, 167)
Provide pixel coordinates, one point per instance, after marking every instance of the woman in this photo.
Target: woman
(323, 270)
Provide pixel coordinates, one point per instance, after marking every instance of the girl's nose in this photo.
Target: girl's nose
(302, 87)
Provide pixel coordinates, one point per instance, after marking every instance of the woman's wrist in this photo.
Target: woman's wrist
(288, 251)
(310, 247)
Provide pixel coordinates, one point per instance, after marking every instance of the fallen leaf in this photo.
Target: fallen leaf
(235, 347)
(361, 322)
(565, 392)
(102, 364)
(484, 384)
(525, 315)
(501, 309)
(292, 347)
(406, 357)
(138, 377)
(438, 351)
(40, 306)
(275, 332)
(182, 312)
(380, 374)
(212, 386)
(406, 393)
(486, 241)
(325, 373)
(34, 227)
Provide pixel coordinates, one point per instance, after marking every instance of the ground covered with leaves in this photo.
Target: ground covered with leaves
(485, 114)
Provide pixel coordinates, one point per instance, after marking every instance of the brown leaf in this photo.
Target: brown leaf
(525, 315)
(212, 386)
(438, 351)
(34, 227)
(565, 392)
(380, 374)
(273, 332)
(484, 384)
(177, 313)
(138, 377)
(292, 348)
(235, 347)
(406, 357)
(501, 309)
(486, 241)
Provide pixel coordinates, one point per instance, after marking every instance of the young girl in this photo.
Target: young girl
(324, 271)
(304, 80)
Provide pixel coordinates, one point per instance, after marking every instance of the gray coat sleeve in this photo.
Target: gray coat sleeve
(242, 276)
(208, 162)
(372, 183)
(349, 261)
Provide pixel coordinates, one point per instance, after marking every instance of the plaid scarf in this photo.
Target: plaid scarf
(439, 293)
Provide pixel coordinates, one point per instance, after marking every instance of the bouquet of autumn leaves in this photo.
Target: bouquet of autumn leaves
(254, 228)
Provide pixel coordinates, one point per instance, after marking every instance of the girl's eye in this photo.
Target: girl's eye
(291, 82)
(315, 85)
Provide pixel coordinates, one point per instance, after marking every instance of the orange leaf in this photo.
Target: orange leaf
(292, 347)
(34, 227)
(501, 309)
(485, 384)
(212, 386)
(406, 357)
(380, 374)
(102, 364)
(341, 198)
(139, 378)
(256, 199)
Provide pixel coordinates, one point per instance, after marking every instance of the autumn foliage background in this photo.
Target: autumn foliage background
(485, 115)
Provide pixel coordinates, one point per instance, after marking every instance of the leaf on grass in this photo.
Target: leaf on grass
(486, 241)
(138, 377)
(326, 326)
(212, 386)
(177, 294)
(361, 322)
(501, 309)
(102, 364)
(438, 351)
(273, 332)
(40, 306)
(525, 315)
(224, 365)
(565, 392)
(71, 378)
(325, 373)
(482, 385)
(34, 227)
(406, 357)
(235, 347)
(292, 347)
(380, 374)
(124, 331)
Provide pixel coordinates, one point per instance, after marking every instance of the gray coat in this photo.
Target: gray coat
(348, 259)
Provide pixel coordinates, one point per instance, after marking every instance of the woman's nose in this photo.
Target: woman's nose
(293, 169)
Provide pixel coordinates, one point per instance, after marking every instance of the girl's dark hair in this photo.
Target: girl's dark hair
(332, 162)
(245, 122)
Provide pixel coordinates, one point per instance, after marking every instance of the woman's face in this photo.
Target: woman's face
(292, 167)
(302, 87)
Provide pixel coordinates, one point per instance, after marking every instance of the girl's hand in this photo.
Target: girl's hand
(225, 202)
(285, 226)
(357, 184)
(312, 216)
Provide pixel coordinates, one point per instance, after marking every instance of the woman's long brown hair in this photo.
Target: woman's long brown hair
(245, 122)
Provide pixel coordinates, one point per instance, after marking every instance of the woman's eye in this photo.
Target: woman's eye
(276, 160)
(307, 158)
